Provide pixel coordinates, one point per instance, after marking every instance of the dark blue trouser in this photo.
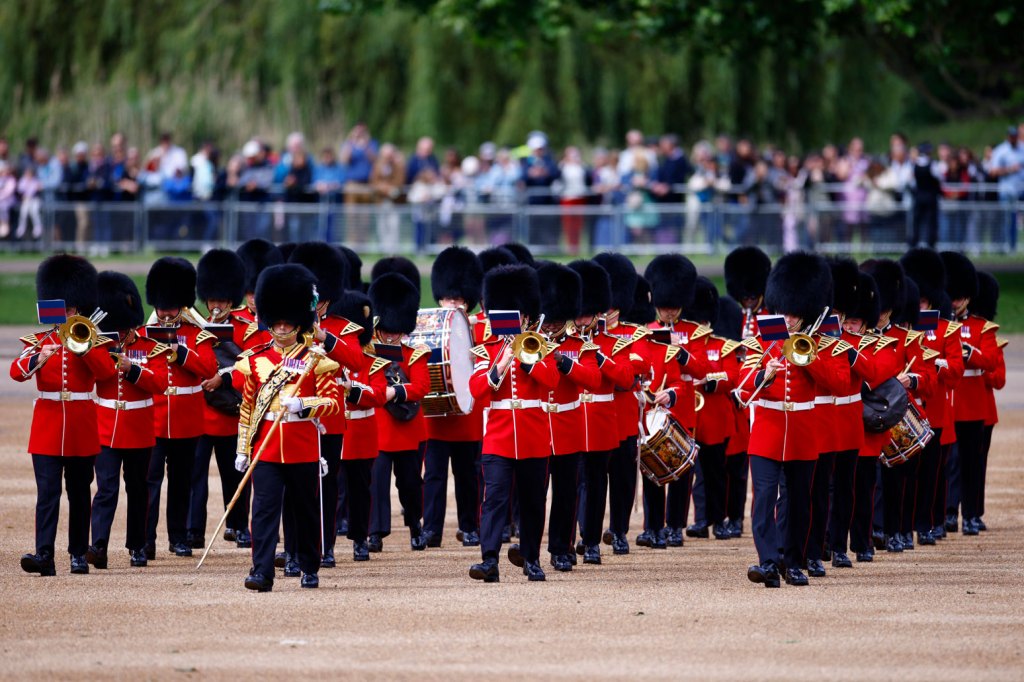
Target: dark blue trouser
(863, 503)
(330, 450)
(531, 477)
(986, 445)
(270, 483)
(927, 482)
(562, 519)
(224, 449)
(621, 485)
(736, 467)
(108, 487)
(179, 456)
(823, 472)
(77, 473)
(700, 513)
(766, 475)
(970, 445)
(592, 482)
(357, 473)
(462, 455)
(407, 466)
(844, 470)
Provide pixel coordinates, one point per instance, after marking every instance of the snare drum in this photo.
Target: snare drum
(907, 438)
(667, 451)
(446, 332)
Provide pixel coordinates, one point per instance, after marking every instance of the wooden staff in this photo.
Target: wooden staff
(317, 356)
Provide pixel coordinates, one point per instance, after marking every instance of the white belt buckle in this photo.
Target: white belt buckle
(551, 408)
(587, 398)
(348, 414)
(172, 390)
(119, 404)
(517, 404)
(65, 396)
(787, 406)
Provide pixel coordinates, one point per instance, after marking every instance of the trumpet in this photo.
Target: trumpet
(699, 405)
(800, 349)
(527, 347)
(78, 333)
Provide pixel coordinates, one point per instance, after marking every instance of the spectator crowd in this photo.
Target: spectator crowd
(721, 192)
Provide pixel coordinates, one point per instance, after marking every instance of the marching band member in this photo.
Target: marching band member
(984, 306)
(63, 438)
(926, 268)
(401, 431)
(397, 264)
(178, 418)
(257, 255)
(599, 410)
(287, 388)
(980, 353)
(340, 339)
(622, 463)
(125, 417)
(746, 274)
(220, 284)
(673, 285)
(456, 280)
(782, 437)
(517, 437)
(367, 389)
(730, 326)
(576, 360)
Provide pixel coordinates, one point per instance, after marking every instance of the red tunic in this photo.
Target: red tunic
(342, 346)
(633, 348)
(889, 357)
(64, 420)
(995, 381)
(599, 410)
(949, 365)
(217, 423)
(125, 418)
(566, 417)
(179, 411)
(396, 436)
(297, 437)
(689, 336)
(716, 422)
(362, 404)
(970, 398)
(516, 425)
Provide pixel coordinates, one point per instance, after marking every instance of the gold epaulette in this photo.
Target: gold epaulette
(929, 354)
(825, 342)
(638, 333)
(701, 331)
(841, 347)
(481, 352)
(33, 339)
(242, 364)
(866, 341)
(884, 341)
(913, 336)
(753, 360)
(418, 353)
(487, 328)
(253, 327)
(729, 346)
(204, 335)
(552, 347)
(351, 328)
(753, 344)
(589, 345)
(1000, 343)
(160, 348)
(952, 328)
(326, 365)
(671, 352)
(103, 340)
(378, 365)
(989, 327)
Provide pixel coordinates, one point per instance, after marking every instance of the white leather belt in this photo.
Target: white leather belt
(556, 408)
(848, 399)
(358, 414)
(597, 398)
(785, 406)
(64, 396)
(824, 400)
(182, 390)
(973, 372)
(288, 417)
(515, 404)
(123, 404)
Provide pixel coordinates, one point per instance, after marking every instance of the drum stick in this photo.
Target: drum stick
(909, 365)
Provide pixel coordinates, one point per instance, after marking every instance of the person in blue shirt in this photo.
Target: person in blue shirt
(1008, 168)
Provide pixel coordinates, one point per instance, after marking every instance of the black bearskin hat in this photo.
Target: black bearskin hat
(400, 264)
(171, 283)
(961, 277)
(642, 311)
(494, 257)
(513, 287)
(623, 278)
(355, 268)
(867, 307)
(800, 284)
(457, 273)
(672, 277)
(286, 249)
(888, 276)
(257, 254)
(220, 276)
(844, 284)
(355, 306)
(327, 264)
(730, 319)
(119, 298)
(704, 307)
(70, 278)
(945, 306)
(926, 268)
(285, 293)
(597, 287)
(395, 301)
(561, 292)
(746, 272)
(522, 254)
(911, 308)
(984, 304)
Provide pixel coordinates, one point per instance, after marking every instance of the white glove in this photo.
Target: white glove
(241, 463)
(323, 467)
(292, 404)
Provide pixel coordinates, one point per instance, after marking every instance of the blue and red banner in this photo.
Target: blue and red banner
(663, 335)
(505, 322)
(772, 327)
(223, 332)
(52, 311)
(927, 321)
(168, 335)
(831, 327)
(387, 351)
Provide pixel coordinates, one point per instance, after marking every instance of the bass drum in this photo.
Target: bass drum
(446, 332)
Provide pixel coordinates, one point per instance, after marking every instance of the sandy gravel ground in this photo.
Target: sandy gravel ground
(953, 612)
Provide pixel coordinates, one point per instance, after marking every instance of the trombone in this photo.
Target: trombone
(528, 347)
(78, 334)
(799, 349)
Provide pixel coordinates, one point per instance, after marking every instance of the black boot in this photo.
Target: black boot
(360, 551)
(515, 557)
(41, 562)
(97, 554)
(487, 570)
(79, 565)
